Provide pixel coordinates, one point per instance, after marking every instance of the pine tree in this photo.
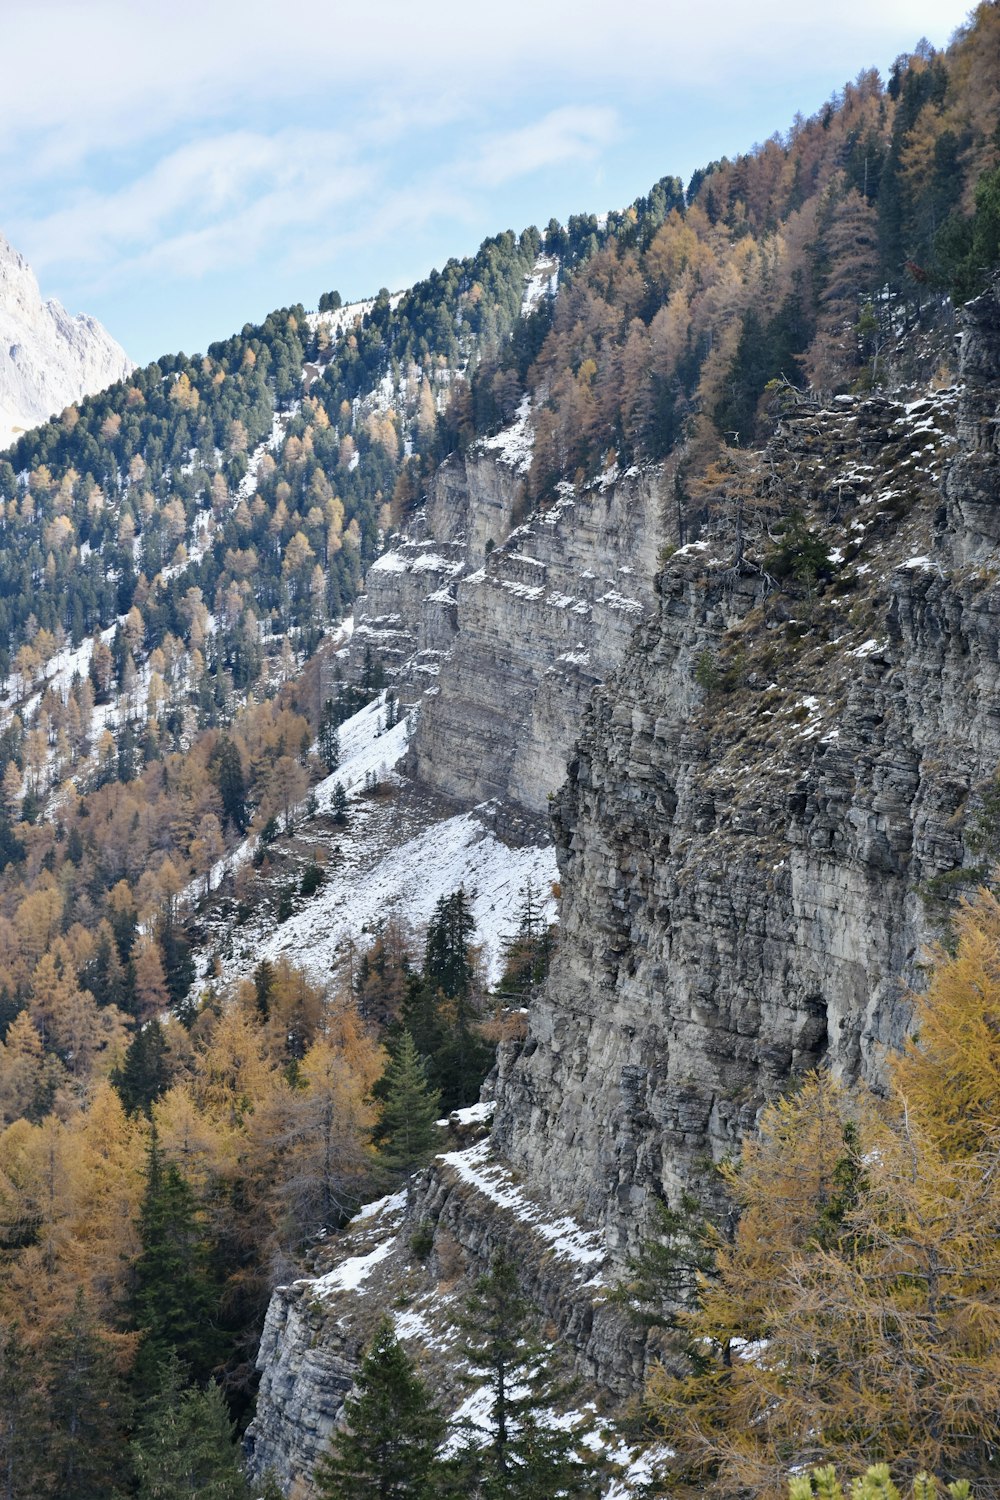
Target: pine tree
(386, 1449)
(185, 1444)
(406, 1134)
(523, 1458)
(174, 1297)
(145, 1072)
(88, 1407)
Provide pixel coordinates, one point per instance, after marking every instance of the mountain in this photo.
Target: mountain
(48, 359)
(642, 570)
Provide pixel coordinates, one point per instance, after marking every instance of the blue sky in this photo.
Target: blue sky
(179, 167)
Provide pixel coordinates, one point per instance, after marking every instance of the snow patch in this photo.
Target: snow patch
(567, 1238)
(348, 1276)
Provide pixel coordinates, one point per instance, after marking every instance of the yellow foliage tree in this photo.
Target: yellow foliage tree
(855, 1318)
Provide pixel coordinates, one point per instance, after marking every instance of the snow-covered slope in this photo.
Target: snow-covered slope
(48, 359)
(397, 855)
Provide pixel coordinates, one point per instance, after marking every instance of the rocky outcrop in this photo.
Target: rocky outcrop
(511, 625)
(773, 799)
(417, 1255)
(757, 822)
(549, 614)
(48, 359)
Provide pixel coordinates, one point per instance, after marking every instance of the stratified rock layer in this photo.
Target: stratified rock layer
(773, 801)
(755, 829)
(509, 628)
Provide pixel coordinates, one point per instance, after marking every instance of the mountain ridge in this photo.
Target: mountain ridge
(49, 358)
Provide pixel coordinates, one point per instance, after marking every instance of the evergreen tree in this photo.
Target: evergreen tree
(386, 1449)
(263, 985)
(174, 1296)
(178, 967)
(875, 1484)
(145, 1072)
(24, 1471)
(443, 1012)
(464, 1057)
(339, 805)
(447, 956)
(232, 785)
(406, 1133)
(523, 1458)
(329, 738)
(88, 1408)
(185, 1444)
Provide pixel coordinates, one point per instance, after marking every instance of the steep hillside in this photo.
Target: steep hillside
(772, 800)
(679, 525)
(48, 359)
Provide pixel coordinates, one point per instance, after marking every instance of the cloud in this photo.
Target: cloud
(572, 133)
(148, 143)
(101, 76)
(298, 195)
(206, 204)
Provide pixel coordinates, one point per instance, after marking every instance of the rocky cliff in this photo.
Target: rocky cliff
(764, 809)
(509, 625)
(48, 359)
(772, 802)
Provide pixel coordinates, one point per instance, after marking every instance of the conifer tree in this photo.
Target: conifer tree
(406, 1134)
(174, 1296)
(387, 1448)
(185, 1444)
(88, 1408)
(523, 1457)
(329, 737)
(232, 784)
(447, 960)
(145, 1071)
(24, 1473)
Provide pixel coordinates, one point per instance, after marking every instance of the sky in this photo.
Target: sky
(180, 167)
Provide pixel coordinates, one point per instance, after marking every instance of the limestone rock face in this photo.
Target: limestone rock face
(48, 359)
(775, 795)
(467, 1207)
(758, 819)
(511, 624)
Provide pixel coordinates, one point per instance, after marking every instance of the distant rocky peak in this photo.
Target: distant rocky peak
(48, 358)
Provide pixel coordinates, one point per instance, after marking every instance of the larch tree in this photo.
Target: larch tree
(855, 1318)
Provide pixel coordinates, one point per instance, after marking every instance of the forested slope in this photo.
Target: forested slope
(174, 558)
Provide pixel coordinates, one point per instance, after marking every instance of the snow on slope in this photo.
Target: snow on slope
(48, 359)
(396, 856)
(409, 881)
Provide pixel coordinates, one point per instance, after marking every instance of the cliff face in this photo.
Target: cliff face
(764, 802)
(48, 359)
(772, 799)
(513, 624)
(472, 1206)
